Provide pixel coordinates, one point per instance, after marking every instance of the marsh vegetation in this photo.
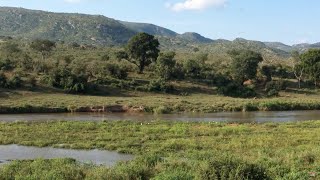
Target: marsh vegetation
(195, 150)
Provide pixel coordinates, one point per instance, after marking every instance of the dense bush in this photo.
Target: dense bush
(268, 71)
(178, 72)
(235, 89)
(232, 169)
(159, 85)
(6, 64)
(273, 88)
(117, 71)
(26, 63)
(192, 68)
(75, 84)
(14, 82)
(165, 66)
(283, 71)
(67, 81)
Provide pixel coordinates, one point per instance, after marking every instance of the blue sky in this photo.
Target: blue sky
(288, 21)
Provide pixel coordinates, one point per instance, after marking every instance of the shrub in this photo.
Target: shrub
(47, 80)
(227, 168)
(75, 84)
(6, 64)
(14, 82)
(178, 72)
(234, 89)
(116, 71)
(175, 175)
(159, 85)
(64, 79)
(272, 93)
(165, 65)
(162, 110)
(273, 88)
(192, 68)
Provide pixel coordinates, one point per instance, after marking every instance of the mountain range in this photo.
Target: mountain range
(101, 30)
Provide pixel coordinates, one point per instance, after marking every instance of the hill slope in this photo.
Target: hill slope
(101, 30)
(150, 29)
(79, 28)
(194, 37)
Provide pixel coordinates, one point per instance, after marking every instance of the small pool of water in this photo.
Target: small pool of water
(98, 157)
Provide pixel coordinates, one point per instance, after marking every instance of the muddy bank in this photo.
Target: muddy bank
(168, 108)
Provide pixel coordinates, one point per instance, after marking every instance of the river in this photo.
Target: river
(240, 117)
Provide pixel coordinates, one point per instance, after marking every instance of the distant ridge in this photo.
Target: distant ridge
(104, 31)
(150, 29)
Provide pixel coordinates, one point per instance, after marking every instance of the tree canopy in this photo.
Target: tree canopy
(311, 63)
(245, 64)
(143, 49)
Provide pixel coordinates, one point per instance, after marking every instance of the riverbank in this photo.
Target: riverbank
(36, 102)
(276, 150)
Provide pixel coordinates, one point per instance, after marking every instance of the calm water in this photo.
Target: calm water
(15, 152)
(278, 116)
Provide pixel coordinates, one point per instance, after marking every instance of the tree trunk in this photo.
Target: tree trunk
(141, 65)
(299, 82)
(141, 68)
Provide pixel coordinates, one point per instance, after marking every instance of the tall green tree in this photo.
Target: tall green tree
(43, 46)
(143, 49)
(244, 65)
(311, 63)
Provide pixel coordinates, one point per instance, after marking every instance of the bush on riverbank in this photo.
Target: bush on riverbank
(183, 106)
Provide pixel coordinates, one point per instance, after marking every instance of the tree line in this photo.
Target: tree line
(246, 75)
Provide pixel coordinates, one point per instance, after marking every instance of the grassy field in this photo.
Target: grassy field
(38, 101)
(172, 150)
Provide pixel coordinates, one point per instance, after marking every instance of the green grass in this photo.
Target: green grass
(27, 101)
(279, 150)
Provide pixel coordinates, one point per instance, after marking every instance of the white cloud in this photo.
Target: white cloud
(196, 4)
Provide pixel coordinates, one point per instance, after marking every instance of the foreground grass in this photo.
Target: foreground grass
(26, 101)
(173, 150)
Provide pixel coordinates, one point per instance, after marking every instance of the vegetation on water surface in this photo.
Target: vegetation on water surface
(173, 150)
